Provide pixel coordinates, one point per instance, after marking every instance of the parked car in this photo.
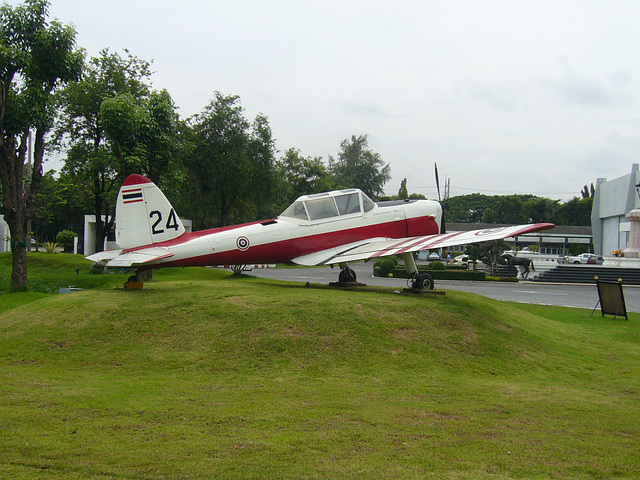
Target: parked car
(464, 261)
(584, 258)
(595, 260)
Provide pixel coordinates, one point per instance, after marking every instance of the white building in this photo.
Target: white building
(612, 201)
(109, 242)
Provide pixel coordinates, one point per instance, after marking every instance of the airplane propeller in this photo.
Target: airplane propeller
(437, 182)
(443, 228)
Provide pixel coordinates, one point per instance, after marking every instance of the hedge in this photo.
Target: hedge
(401, 272)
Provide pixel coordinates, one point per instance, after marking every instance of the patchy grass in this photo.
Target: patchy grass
(47, 272)
(201, 375)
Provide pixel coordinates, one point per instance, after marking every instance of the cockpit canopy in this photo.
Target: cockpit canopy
(329, 205)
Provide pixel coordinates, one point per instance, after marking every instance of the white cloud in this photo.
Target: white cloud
(479, 87)
(577, 88)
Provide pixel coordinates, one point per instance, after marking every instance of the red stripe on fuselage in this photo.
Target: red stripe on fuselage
(283, 251)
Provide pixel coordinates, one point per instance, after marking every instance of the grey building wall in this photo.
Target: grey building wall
(612, 201)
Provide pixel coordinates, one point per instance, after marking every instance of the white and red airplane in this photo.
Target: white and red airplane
(321, 229)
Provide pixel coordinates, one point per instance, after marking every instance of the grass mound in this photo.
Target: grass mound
(201, 375)
(47, 272)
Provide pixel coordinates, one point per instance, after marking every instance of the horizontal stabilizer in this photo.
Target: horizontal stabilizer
(103, 257)
(115, 258)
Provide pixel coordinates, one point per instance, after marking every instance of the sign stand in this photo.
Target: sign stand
(611, 299)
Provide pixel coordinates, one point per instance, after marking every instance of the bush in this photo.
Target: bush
(386, 266)
(401, 272)
(65, 238)
(437, 266)
(96, 269)
(383, 259)
(50, 247)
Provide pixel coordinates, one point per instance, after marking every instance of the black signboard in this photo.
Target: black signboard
(611, 298)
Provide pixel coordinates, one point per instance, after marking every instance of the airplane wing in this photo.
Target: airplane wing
(115, 258)
(103, 257)
(376, 247)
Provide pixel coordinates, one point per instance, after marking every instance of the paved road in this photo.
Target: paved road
(566, 295)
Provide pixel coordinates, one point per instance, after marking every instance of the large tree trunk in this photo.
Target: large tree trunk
(19, 280)
(20, 201)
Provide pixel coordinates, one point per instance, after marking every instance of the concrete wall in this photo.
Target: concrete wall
(612, 201)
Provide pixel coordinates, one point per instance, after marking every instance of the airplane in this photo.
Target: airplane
(330, 228)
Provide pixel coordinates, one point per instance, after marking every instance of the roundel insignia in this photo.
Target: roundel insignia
(242, 243)
(489, 231)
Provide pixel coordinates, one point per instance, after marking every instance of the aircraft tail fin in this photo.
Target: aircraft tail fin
(144, 216)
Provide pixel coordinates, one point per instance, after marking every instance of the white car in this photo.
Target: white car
(464, 261)
(582, 258)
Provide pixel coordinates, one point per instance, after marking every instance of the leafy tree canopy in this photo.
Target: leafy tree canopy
(231, 164)
(360, 167)
(516, 209)
(302, 175)
(36, 57)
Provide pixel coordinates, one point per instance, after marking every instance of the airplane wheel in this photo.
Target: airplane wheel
(133, 278)
(347, 275)
(424, 281)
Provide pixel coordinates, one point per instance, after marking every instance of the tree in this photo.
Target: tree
(114, 125)
(231, 164)
(576, 211)
(588, 192)
(262, 149)
(36, 57)
(58, 207)
(539, 210)
(466, 208)
(358, 166)
(141, 132)
(302, 175)
(403, 193)
(507, 209)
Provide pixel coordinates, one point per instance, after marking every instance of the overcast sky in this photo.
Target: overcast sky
(506, 96)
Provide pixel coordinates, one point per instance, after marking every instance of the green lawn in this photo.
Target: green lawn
(201, 375)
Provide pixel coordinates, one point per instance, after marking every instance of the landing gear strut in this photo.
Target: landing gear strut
(418, 281)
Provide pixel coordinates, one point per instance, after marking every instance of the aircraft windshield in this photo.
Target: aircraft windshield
(321, 208)
(296, 210)
(348, 203)
(325, 205)
(367, 203)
